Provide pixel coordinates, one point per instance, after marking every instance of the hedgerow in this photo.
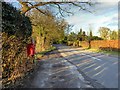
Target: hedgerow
(16, 33)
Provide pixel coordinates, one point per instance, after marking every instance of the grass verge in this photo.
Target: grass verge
(40, 54)
(103, 51)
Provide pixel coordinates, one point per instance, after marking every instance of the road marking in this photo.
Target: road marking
(99, 66)
(63, 54)
(89, 66)
(83, 63)
(99, 72)
(91, 57)
(94, 58)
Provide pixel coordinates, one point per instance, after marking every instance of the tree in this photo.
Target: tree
(80, 35)
(113, 35)
(62, 25)
(72, 36)
(104, 32)
(96, 38)
(46, 29)
(68, 29)
(83, 36)
(91, 34)
(119, 34)
(90, 38)
(27, 6)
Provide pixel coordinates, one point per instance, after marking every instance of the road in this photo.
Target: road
(76, 68)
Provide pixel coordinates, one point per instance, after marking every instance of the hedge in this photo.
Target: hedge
(110, 45)
(16, 33)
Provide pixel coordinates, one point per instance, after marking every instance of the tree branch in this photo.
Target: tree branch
(26, 8)
(39, 9)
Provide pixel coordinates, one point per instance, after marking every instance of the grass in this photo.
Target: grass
(40, 54)
(103, 51)
(110, 52)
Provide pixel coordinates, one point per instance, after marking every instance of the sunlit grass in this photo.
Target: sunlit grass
(104, 51)
(110, 52)
(40, 54)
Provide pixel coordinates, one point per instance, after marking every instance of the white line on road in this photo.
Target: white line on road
(89, 66)
(76, 52)
(96, 58)
(100, 72)
(93, 57)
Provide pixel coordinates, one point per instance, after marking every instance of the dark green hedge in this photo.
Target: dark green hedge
(15, 23)
(16, 33)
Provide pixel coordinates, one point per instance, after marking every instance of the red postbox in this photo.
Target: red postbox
(30, 49)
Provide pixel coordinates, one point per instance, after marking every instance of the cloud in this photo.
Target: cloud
(104, 12)
(91, 19)
(112, 21)
(107, 0)
(113, 24)
(105, 8)
(76, 19)
(106, 15)
(10, 0)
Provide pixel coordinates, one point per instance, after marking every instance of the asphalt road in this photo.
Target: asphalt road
(76, 68)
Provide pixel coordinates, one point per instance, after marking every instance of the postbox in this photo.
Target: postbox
(30, 49)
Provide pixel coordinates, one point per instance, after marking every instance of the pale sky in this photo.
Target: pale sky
(105, 14)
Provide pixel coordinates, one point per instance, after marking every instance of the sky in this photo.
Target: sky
(105, 14)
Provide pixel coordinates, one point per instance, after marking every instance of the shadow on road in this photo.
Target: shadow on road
(70, 68)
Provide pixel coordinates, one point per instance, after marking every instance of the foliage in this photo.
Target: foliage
(107, 45)
(104, 32)
(72, 37)
(94, 41)
(108, 34)
(84, 36)
(15, 23)
(90, 35)
(80, 35)
(46, 29)
(16, 30)
(119, 34)
(113, 35)
(104, 44)
(96, 38)
(68, 29)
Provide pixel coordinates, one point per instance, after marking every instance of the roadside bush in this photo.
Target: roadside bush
(107, 45)
(70, 43)
(16, 33)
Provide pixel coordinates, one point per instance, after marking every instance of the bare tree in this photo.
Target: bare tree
(27, 6)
